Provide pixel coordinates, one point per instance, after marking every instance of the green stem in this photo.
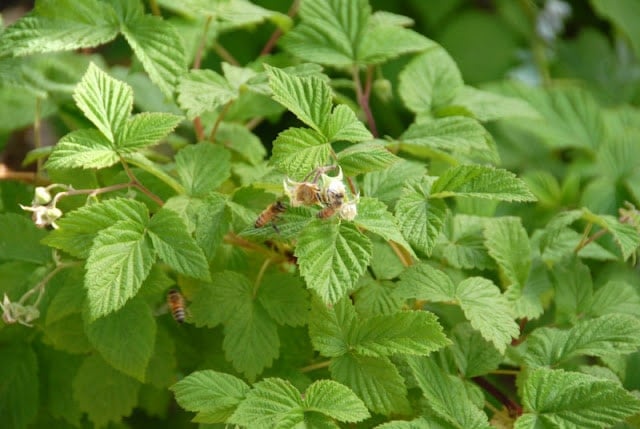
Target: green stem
(537, 44)
(313, 367)
(214, 130)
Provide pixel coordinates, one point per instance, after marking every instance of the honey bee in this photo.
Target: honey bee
(175, 301)
(270, 213)
(302, 193)
(327, 212)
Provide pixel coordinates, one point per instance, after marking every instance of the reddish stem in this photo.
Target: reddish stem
(271, 43)
(363, 94)
(514, 408)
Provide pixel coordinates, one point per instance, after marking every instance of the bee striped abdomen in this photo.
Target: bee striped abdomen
(269, 214)
(176, 305)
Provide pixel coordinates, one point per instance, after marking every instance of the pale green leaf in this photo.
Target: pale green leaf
(78, 229)
(462, 243)
(373, 216)
(376, 297)
(203, 168)
(527, 300)
(615, 297)
(602, 336)
(560, 399)
(332, 256)
(381, 43)
(573, 290)
(146, 129)
(364, 158)
(487, 310)
(158, 46)
(446, 395)
(210, 393)
(474, 356)
(375, 380)
(331, 328)
(309, 98)
(104, 393)
(330, 31)
(343, 125)
(118, 263)
(237, 138)
(420, 218)
(455, 135)
(408, 333)
(20, 240)
(83, 149)
(625, 235)
(489, 106)
(424, 282)
(508, 244)
(285, 299)
(481, 182)
(386, 185)
(334, 400)
(60, 26)
(128, 353)
(297, 151)
(202, 91)
(105, 101)
(175, 246)
(213, 222)
(19, 392)
(270, 403)
(429, 81)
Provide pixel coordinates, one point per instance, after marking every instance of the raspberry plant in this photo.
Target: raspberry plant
(427, 254)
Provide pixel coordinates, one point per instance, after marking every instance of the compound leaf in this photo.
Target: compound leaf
(83, 149)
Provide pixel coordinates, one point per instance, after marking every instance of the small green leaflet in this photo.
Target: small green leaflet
(474, 356)
(146, 129)
(128, 353)
(615, 297)
(204, 91)
(104, 393)
(508, 244)
(573, 288)
(625, 236)
(420, 218)
(343, 125)
(274, 402)
(203, 167)
(481, 182)
(475, 295)
(606, 335)
(83, 149)
(332, 256)
(365, 157)
(488, 106)
(557, 398)
(213, 395)
(297, 151)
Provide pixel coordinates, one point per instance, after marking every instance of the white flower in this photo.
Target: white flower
(333, 190)
(42, 196)
(349, 210)
(43, 216)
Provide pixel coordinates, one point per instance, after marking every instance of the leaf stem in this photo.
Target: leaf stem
(223, 113)
(314, 366)
(90, 192)
(405, 258)
(155, 10)
(40, 287)
(513, 372)
(225, 55)
(268, 47)
(586, 240)
(363, 94)
(514, 408)
(259, 277)
(136, 184)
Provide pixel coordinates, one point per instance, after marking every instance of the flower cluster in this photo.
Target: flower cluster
(44, 208)
(15, 312)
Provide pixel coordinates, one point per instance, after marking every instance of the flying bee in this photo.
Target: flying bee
(270, 213)
(327, 212)
(175, 301)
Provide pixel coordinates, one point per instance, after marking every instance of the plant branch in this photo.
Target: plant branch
(155, 10)
(136, 184)
(513, 372)
(260, 275)
(363, 94)
(18, 176)
(225, 55)
(514, 408)
(315, 366)
(404, 257)
(223, 113)
(268, 47)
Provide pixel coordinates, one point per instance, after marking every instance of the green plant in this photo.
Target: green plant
(336, 276)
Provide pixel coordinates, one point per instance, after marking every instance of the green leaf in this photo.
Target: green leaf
(429, 81)
(332, 256)
(175, 246)
(105, 101)
(602, 336)
(615, 297)
(457, 135)
(329, 32)
(487, 310)
(556, 398)
(386, 185)
(462, 243)
(104, 393)
(63, 25)
(364, 158)
(158, 47)
(19, 385)
(69, 297)
(297, 151)
(488, 106)
(474, 356)
(408, 333)
(309, 98)
(203, 168)
(83, 149)
(375, 380)
(285, 299)
(272, 402)
(574, 290)
(422, 281)
(202, 91)
(226, 293)
(162, 365)
(343, 125)
(20, 240)
(508, 244)
(446, 395)
(334, 400)
(78, 229)
(213, 222)
(129, 353)
(381, 43)
(481, 182)
(145, 129)
(373, 216)
(623, 14)
(211, 394)
(420, 218)
(331, 328)
(625, 235)
(118, 263)
(61, 369)
(67, 334)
